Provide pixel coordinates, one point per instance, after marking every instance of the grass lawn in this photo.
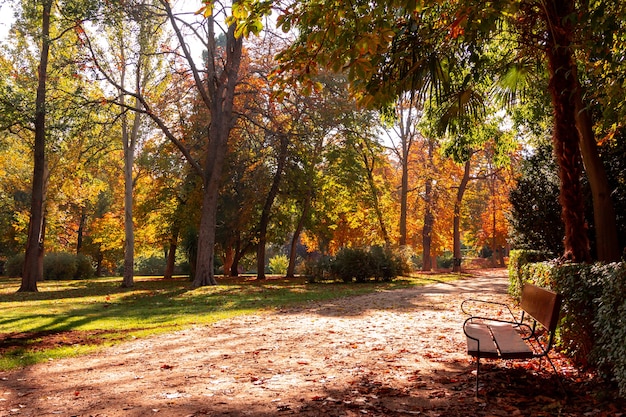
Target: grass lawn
(69, 318)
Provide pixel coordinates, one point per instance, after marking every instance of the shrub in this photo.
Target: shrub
(279, 264)
(360, 265)
(317, 269)
(152, 265)
(610, 324)
(445, 261)
(59, 266)
(352, 263)
(84, 267)
(56, 266)
(14, 265)
(517, 260)
(593, 324)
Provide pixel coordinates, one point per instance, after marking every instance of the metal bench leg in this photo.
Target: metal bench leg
(558, 377)
(477, 372)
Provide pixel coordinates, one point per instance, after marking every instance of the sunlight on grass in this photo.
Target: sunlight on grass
(153, 306)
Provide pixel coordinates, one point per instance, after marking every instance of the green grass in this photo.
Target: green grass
(106, 313)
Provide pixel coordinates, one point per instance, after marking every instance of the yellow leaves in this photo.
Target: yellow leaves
(206, 10)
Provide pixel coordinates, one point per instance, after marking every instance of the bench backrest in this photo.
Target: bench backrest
(542, 304)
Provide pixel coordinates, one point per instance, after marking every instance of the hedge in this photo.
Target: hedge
(592, 330)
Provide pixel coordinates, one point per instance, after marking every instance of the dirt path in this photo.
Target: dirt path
(394, 353)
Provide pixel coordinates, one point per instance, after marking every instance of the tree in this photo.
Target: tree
(535, 213)
(405, 129)
(385, 57)
(132, 34)
(215, 85)
(33, 260)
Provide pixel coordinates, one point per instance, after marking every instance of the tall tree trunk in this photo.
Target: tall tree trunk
(129, 140)
(565, 135)
(170, 263)
(404, 193)
(205, 274)
(291, 268)
(34, 244)
(369, 168)
(269, 201)
(81, 229)
(429, 217)
(221, 86)
(229, 257)
(456, 267)
(604, 219)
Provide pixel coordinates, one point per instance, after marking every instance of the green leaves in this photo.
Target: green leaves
(247, 15)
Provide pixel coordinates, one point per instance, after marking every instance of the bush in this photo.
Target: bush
(153, 265)
(317, 269)
(610, 324)
(59, 266)
(279, 264)
(445, 261)
(84, 267)
(593, 325)
(360, 265)
(14, 265)
(517, 260)
(56, 266)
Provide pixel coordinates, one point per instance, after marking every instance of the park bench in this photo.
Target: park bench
(502, 338)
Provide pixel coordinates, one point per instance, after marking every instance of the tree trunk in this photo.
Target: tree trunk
(604, 219)
(296, 235)
(171, 254)
(404, 193)
(81, 230)
(565, 138)
(427, 231)
(429, 217)
(269, 201)
(129, 140)
(229, 258)
(34, 244)
(221, 86)
(369, 168)
(205, 274)
(456, 266)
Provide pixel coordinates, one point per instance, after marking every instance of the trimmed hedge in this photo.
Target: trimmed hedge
(517, 260)
(593, 325)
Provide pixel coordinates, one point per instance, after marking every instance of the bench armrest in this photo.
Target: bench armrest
(474, 304)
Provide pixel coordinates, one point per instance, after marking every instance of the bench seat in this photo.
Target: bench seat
(495, 338)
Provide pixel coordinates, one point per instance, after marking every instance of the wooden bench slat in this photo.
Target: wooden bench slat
(481, 332)
(510, 343)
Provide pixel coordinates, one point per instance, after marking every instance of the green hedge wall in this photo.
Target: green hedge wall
(593, 323)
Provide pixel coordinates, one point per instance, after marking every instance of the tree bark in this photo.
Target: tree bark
(604, 219)
(129, 140)
(429, 217)
(565, 138)
(269, 201)
(34, 244)
(171, 254)
(404, 192)
(296, 235)
(369, 168)
(456, 266)
(221, 86)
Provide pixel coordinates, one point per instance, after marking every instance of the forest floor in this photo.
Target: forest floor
(391, 353)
